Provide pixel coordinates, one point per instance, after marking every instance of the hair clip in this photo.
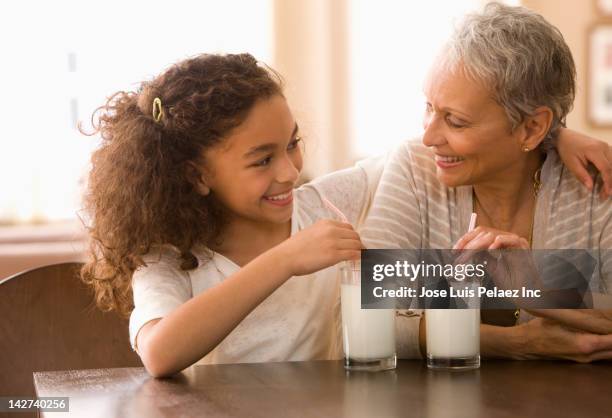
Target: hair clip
(158, 111)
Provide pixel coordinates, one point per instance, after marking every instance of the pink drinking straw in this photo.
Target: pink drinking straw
(472, 222)
(471, 226)
(334, 209)
(344, 219)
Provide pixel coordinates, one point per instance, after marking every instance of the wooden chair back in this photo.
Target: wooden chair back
(48, 321)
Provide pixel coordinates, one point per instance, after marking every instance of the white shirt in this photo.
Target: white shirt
(301, 319)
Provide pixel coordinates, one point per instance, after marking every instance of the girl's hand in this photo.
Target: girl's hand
(578, 150)
(543, 338)
(485, 238)
(321, 245)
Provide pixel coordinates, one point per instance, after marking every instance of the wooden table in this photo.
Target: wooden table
(324, 389)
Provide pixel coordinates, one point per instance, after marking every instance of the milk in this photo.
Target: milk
(453, 333)
(368, 334)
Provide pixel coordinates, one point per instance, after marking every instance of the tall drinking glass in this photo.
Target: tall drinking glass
(453, 338)
(368, 335)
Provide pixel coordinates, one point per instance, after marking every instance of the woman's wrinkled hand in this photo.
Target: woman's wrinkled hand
(507, 268)
(544, 338)
(485, 238)
(596, 321)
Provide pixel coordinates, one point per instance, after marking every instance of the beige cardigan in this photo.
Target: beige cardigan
(412, 209)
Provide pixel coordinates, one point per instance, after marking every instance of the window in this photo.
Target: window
(61, 59)
(392, 45)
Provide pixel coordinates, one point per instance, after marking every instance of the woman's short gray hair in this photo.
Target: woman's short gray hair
(521, 57)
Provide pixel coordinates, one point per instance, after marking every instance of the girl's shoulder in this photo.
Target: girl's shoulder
(158, 287)
(161, 256)
(161, 269)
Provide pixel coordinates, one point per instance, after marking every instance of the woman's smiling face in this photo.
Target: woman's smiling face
(468, 131)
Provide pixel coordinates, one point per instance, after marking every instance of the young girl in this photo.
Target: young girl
(195, 220)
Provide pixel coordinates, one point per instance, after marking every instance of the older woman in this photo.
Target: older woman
(496, 98)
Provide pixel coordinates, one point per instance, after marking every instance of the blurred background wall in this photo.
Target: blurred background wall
(574, 18)
(353, 71)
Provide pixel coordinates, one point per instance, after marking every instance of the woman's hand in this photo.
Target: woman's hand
(596, 321)
(578, 150)
(508, 269)
(543, 338)
(485, 238)
(321, 245)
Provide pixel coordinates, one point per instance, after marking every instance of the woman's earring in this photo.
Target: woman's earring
(202, 188)
(526, 149)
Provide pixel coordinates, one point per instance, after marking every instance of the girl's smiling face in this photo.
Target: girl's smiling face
(253, 171)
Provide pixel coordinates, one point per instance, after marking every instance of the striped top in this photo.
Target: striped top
(412, 209)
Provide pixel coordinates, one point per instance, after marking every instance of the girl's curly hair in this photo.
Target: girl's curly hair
(141, 194)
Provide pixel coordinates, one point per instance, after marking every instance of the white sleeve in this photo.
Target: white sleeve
(158, 288)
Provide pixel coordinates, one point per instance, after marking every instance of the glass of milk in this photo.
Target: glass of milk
(368, 335)
(453, 335)
(453, 338)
